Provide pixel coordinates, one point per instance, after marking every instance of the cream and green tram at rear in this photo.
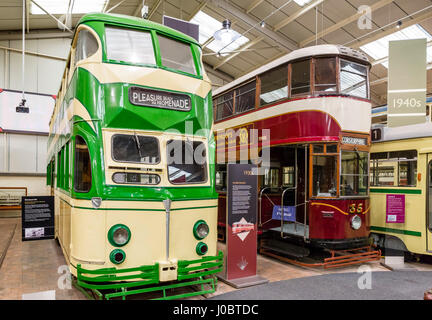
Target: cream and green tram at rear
(401, 187)
(131, 161)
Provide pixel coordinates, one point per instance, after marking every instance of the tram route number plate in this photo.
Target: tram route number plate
(159, 99)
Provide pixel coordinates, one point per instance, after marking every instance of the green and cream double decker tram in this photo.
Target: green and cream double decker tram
(131, 160)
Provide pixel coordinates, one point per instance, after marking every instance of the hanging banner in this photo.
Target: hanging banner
(406, 82)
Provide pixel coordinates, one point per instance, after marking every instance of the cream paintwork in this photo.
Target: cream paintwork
(150, 77)
(89, 245)
(415, 217)
(342, 109)
(163, 138)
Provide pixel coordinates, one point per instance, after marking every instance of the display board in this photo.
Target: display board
(37, 119)
(191, 29)
(406, 82)
(37, 217)
(395, 208)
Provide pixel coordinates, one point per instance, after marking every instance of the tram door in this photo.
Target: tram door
(429, 204)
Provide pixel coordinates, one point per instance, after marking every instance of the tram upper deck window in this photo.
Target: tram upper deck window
(274, 85)
(131, 46)
(83, 174)
(354, 173)
(187, 162)
(245, 97)
(224, 105)
(300, 77)
(86, 45)
(325, 75)
(353, 79)
(135, 148)
(176, 55)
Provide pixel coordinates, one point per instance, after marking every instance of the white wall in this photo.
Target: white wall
(36, 186)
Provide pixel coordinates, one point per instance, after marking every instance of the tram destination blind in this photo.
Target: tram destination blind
(37, 218)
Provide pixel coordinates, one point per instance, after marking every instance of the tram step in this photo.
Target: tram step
(285, 248)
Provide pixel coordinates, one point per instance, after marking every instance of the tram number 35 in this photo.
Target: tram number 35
(353, 208)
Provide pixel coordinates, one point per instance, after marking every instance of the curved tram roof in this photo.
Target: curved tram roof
(312, 51)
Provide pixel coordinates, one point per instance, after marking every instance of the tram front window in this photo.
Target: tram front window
(187, 162)
(354, 173)
(135, 148)
(324, 176)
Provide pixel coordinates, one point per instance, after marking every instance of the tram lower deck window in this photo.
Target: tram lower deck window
(354, 173)
(324, 176)
(135, 148)
(187, 162)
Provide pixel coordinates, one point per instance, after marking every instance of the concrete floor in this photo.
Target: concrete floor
(32, 267)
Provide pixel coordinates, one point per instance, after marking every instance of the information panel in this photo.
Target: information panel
(395, 208)
(37, 218)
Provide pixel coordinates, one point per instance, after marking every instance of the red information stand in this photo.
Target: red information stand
(241, 231)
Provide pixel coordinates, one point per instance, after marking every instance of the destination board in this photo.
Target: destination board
(159, 99)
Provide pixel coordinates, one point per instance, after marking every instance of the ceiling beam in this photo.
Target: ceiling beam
(384, 33)
(197, 9)
(40, 34)
(154, 9)
(58, 21)
(260, 64)
(343, 23)
(243, 47)
(253, 5)
(297, 15)
(241, 15)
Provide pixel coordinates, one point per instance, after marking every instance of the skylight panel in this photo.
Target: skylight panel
(379, 49)
(207, 26)
(61, 6)
(302, 2)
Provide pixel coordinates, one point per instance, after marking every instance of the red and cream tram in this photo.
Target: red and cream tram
(305, 120)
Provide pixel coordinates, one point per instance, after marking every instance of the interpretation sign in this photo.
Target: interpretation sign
(159, 99)
(406, 82)
(395, 208)
(37, 218)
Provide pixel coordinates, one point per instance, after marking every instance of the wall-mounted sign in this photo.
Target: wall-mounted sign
(159, 99)
(37, 218)
(376, 134)
(354, 141)
(289, 213)
(395, 208)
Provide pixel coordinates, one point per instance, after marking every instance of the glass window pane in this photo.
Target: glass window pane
(325, 74)
(324, 176)
(353, 79)
(224, 106)
(86, 45)
(135, 148)
(318, 148)
(245, 97)
(300, 77)
(407, 173)
(129, 46)
(353, 67)
(332, 148)
(274, 85)
(385, 171)
(83, 174)
(354, 173)
(187, 162)
(176, 55)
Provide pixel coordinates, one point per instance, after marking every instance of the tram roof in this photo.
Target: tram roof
(312, 51)
(135, 22)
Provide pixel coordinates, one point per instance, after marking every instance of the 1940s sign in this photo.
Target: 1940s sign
(159, 99)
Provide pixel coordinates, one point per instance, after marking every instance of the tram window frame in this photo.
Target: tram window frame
(309, 85)
(238, 94)
(225, 100)
(319, 70)
(288, 176)
(138, 136)
(79, 170)
(395, 157)
(336, 178)
(84, 39)
(359, 175)
(278, 80)
(267, 180)
(149, 39)
(196, 144)
(354, 73)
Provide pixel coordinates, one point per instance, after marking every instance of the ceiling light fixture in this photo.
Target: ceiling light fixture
(262, 24)
(398, 25)
(226, 34)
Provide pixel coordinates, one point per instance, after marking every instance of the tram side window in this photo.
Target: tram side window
(324, 172)
(83, 174)
(176, 55)
(86, 45)
(274, 85)
(187, 162)
(300, 77)
(354, 173)
(129, 45)
(245, 97)
(397, 168)
(224, 105)
(270, 179)
(288, 176)
(353, 79)
(325, 75)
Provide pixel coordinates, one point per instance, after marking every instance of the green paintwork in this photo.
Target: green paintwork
(146, 276)
(392, 190)
(398, 231)
(199, 248)
(113, 254)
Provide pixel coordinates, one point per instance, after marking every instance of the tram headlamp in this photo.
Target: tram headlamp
(356, 222)
(117, 256)
(119, 235)
(200, 230)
